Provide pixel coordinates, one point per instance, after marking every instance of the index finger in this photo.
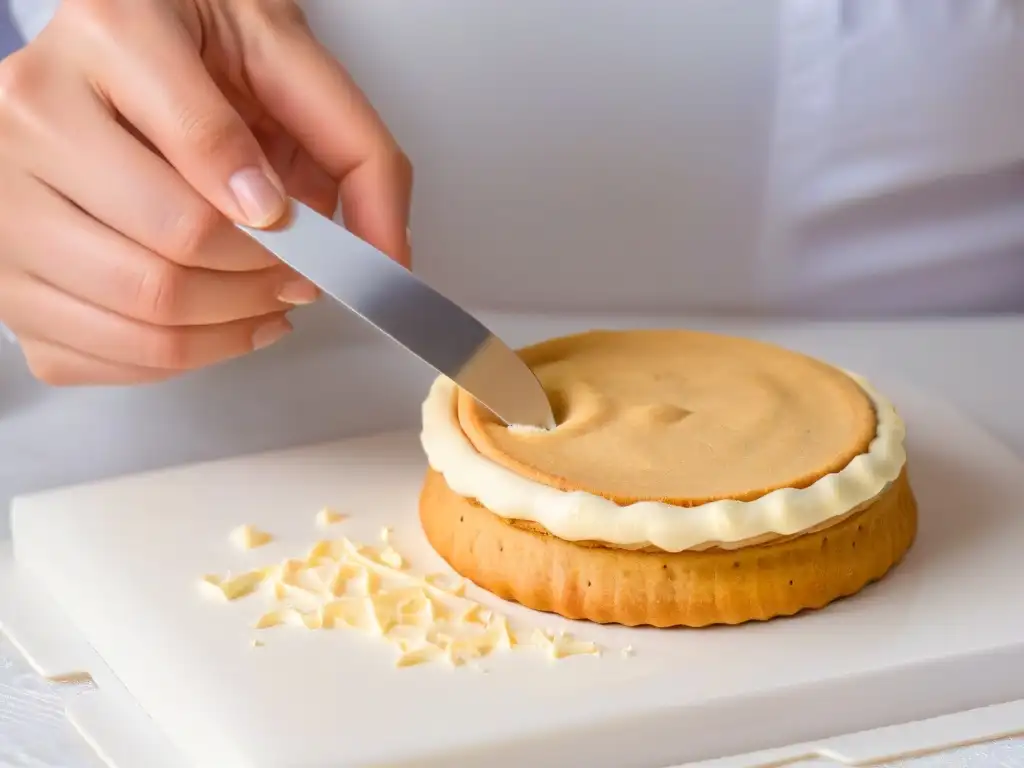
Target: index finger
(337, 125)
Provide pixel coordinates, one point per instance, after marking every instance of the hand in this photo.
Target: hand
(132, 134)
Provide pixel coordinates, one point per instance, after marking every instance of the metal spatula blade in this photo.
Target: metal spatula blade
(393, 300)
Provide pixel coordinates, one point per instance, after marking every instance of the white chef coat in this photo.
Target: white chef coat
(822, 157)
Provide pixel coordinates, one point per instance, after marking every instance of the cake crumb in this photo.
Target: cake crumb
(628, 651)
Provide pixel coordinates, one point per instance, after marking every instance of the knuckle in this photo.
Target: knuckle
(99, 22)
(158, 295)
(189, 231)
(211, 133)
(20, 82)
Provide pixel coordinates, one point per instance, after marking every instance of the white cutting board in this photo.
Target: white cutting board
(121, 558)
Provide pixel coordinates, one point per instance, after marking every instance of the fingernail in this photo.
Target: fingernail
(271, 332)
(259, 199)
(408, 237)
(298, 292)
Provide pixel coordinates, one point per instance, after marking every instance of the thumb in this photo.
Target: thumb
(159, 83)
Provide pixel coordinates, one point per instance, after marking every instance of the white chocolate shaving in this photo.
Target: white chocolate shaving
(327, 516)
(249, 537)
(344, 585)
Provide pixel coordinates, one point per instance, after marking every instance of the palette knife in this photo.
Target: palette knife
(395, 302)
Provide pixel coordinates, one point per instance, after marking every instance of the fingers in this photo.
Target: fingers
(36, 310)
(82, 257)
(61, 367)
(148, 66)
(118, 180)
(123, 163)
(334, 122)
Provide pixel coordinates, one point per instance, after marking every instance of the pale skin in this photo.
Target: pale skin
(133, 133)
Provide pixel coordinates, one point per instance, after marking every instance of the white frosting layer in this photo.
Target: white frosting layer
(581, 516)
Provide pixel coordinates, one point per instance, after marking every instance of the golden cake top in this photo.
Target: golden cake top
(680, 417)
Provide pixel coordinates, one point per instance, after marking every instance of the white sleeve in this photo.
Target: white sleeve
(30, 16)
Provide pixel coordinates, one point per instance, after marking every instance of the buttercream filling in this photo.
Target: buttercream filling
(576, 515)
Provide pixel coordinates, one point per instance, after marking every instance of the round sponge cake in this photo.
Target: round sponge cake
(693, 479)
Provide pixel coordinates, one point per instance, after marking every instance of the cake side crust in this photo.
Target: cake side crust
(663, 589)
